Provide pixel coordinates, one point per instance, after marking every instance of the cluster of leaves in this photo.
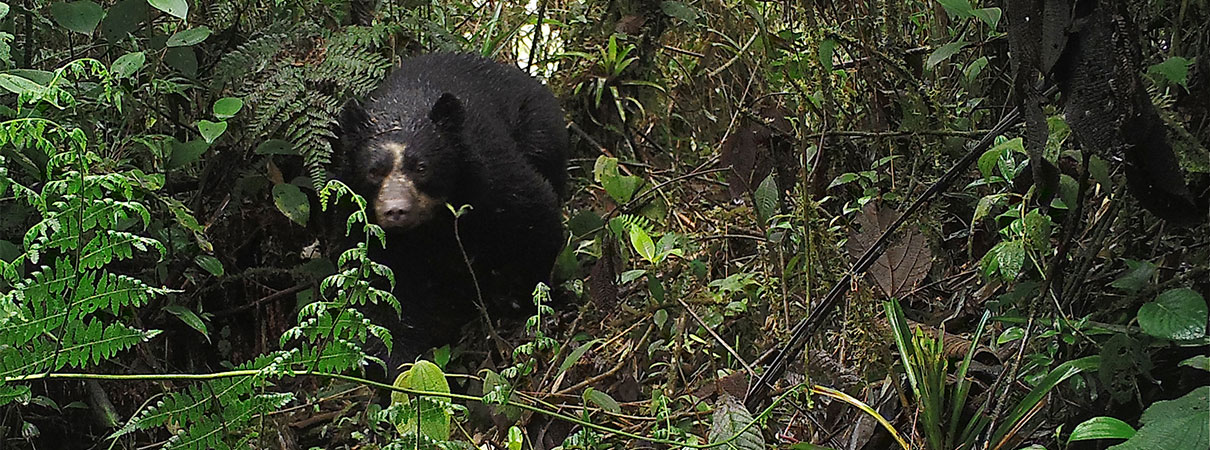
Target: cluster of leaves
(72, 310)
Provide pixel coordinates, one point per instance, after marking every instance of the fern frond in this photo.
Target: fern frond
(103, 290)
(109, 245)
(249, 58)
(232, 401)
(98, 342)
(311, 133)
(631, 220)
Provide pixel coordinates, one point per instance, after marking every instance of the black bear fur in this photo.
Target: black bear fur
(458, 130)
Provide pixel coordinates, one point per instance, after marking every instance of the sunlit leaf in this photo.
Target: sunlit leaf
(176, 8)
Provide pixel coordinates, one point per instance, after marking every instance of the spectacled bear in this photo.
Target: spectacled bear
(459, 130)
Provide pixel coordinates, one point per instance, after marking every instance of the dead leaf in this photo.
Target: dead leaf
(904, 263)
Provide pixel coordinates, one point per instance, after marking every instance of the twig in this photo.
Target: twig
(898, 133)
(501, 345)
(622, 360)
(716, 337)
(266, 299)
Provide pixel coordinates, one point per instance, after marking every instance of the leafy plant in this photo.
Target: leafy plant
(605, 70)
(941, 407)
(1179, 423)
(72, 310)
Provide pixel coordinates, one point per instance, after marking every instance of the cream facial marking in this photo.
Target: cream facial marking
(399, 203)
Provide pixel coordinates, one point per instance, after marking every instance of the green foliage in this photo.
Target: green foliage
(333, 326)
(1176, 314)
(621, 188)
(208, 411)
(1179, 423)
(283, 94)
(71, 310)
(941, 406)
(423, 416)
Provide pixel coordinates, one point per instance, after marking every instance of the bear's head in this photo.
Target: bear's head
(405, 156)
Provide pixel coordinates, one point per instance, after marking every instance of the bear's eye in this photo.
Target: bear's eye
(420, 166)
(380, 169)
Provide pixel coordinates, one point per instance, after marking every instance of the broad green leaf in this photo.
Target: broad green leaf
(959, 8)
(211, 264)
(41, 77)
(985, 205)
(441, 356)
(1173, 424)
(81, 17)
(973, 70)
(989, 264)
(515, 438)
(601, 400)
(990, 16)
(575, 355)
(188, 37)
(276, 147)
(185, 153)
(656, 288)
(679, 10)
(1174, 69)
(433, 418)
(19, 85)
(122, 19)
(1037, 230)
(292, 202)
(631, 275)
(126, 65)
(827, 51)
(1069, 189)
(1176, 314)
(3, 10)
(1137, 276)
(622, 188)
(190, 318)
(767, 199)
(604, 167)
(642, 243)
(1011, 258)
(1009, 335)
(211, 130)
(228, 107)
(1101, 428)
(175, 8)
(943, 53)
(989, 159)
(844, 178)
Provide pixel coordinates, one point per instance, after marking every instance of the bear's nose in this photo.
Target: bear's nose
(395, 214)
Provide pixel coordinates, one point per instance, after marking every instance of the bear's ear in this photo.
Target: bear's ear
(447, 113)
(353, 119)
